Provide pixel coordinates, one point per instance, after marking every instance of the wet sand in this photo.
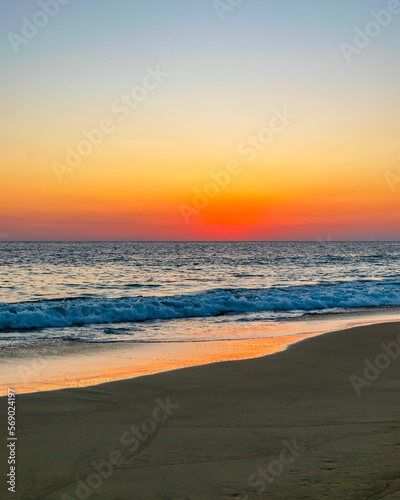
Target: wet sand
(55, 365)
(45, 365)
(292, 425)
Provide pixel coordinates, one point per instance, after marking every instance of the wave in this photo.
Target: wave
(306, 298)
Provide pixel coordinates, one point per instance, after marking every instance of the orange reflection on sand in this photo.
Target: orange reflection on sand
(113, 362)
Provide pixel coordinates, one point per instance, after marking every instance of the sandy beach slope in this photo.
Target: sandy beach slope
(319, 420)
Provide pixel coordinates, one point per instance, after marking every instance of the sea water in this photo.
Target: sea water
(183, 291)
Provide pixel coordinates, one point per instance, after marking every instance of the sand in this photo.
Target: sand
(285, 426)
(78, 364)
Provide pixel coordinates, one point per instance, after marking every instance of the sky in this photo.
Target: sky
(200, 120)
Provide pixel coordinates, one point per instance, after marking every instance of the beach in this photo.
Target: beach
(308, 422)
(200, 250)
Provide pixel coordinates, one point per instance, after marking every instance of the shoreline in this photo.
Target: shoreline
(224, 422)
(56, 365)
(48, 374)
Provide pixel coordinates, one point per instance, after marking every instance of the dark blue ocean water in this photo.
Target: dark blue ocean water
(133, 291)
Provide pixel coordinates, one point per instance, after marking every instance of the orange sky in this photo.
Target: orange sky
(308, 136)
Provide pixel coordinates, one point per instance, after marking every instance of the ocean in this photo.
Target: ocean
(144, 292)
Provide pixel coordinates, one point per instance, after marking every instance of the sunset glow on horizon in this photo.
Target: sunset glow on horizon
(157, 120)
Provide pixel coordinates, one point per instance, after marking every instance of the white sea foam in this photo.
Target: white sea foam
(60, 313)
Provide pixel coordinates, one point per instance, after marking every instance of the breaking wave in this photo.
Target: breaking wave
(307, 298)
